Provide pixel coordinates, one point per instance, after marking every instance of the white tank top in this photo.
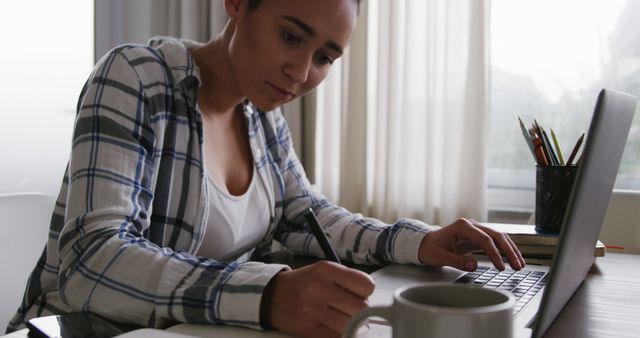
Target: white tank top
(236, 224)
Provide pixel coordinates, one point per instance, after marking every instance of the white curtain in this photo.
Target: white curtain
(403, 118)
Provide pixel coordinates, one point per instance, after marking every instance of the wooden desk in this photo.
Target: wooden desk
(606, 305)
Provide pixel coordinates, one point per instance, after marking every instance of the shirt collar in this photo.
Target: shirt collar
(185, 72)
(175, 53)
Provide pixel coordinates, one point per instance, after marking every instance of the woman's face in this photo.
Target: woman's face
(285, 48)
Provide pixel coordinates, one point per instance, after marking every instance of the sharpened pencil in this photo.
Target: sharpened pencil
(558, 151)
(540, 156)
(527, 138)
(552, 155)
(574, 152)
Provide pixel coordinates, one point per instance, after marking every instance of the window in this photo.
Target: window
(47, 54)
(549, 61)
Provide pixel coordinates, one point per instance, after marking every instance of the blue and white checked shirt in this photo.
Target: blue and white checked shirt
(132, 208)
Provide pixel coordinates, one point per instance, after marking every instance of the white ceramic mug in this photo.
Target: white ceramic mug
(440, 310)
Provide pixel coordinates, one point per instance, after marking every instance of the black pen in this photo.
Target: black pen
(321, 237)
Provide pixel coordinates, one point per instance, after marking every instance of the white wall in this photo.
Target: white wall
(43, 65)
(34, 151)
(622, 222)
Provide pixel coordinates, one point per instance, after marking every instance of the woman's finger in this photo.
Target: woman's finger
(520, 257)
(346, 302)
(504, 244)
(467, 230)
(458, 261)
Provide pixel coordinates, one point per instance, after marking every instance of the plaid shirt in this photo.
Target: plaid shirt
(132, 208)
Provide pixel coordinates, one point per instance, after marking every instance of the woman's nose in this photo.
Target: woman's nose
(297, 69)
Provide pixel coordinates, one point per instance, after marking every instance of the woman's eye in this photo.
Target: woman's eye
(290, 38)
(324, 59)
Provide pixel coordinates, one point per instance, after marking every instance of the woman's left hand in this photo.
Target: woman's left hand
(450, 245)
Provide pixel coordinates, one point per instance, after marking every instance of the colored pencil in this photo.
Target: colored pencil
(555, 142)
(574, 152)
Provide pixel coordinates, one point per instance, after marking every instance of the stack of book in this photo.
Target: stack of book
(536, 248)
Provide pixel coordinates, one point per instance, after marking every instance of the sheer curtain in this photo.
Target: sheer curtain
(402, 121)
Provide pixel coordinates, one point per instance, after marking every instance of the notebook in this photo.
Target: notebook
(607, 136)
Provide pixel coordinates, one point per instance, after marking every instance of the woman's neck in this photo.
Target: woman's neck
(218, 92)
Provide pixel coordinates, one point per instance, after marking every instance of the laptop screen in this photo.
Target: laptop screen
(588, 203)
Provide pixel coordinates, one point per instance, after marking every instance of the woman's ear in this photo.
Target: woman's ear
(234, 7)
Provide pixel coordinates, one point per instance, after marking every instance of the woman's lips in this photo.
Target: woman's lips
(281, 93)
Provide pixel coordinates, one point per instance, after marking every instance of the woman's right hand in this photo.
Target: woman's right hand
(317, 300)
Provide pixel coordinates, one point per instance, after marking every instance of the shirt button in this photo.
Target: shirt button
(258, 153)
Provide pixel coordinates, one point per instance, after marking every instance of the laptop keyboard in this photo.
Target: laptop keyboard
(523, 284)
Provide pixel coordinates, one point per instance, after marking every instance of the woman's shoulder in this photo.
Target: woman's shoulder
(132, 53)
(162, 59)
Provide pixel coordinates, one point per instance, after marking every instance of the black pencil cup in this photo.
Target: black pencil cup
(553, 187)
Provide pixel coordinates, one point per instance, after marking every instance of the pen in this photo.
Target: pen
(321, 237)
(575, 150)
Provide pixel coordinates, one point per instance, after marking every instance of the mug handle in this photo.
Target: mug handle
(356, 321)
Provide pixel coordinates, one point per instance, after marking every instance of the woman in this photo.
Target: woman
(182, 173)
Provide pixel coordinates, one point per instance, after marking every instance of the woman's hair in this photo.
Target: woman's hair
(253, 4)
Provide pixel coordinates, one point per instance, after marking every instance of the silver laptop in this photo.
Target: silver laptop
(543, 291)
